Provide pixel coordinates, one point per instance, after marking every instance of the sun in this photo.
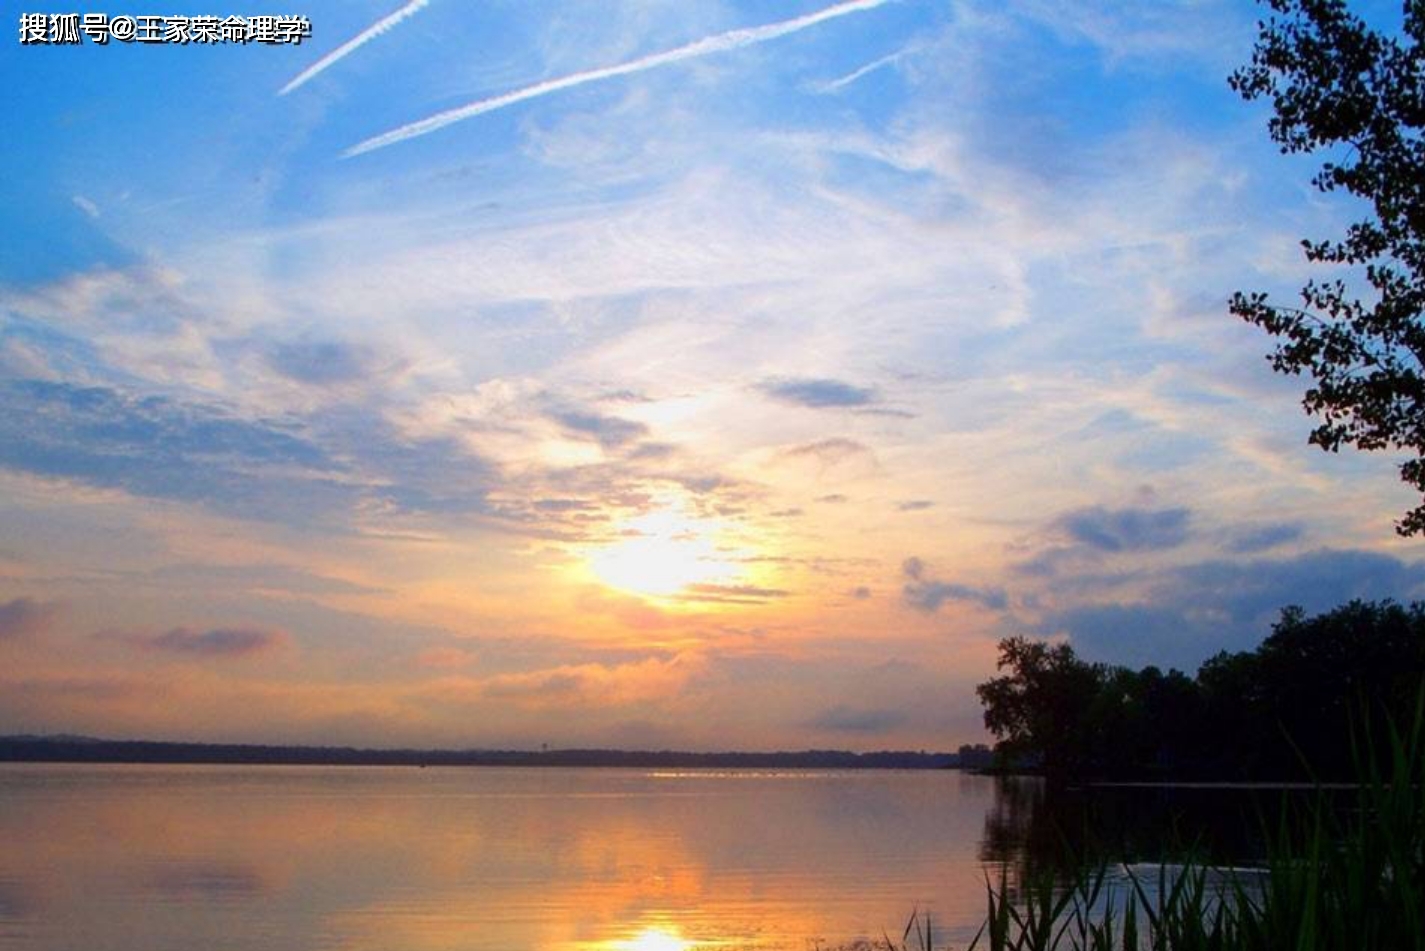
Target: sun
(659, 554)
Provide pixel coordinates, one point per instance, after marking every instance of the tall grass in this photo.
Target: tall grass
(1346, 880)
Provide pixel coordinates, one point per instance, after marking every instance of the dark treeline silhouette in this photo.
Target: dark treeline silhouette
(1283, 712)
(70, 749)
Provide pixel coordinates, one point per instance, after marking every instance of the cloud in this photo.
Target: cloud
(819, 393)
(927, 594)
(731, 594)
(220, 642)
(914, 505)
(1192, 611)
(159, 448)
(623, 396)
(592, 685)
(85, 205)
(836, 85)
(721, 42)
(1130, 529)
(23, 616)
(653, 450)
(564, 505)
(353, 44)
(1317, 580)
(321, 362)
(844, 719)
(542, 686)
(829, 452)
(264, 577)
(1250, 539)
(1049, 562)
(610, 432)
(325, 467)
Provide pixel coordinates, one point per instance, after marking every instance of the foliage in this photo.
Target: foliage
(1332, 879)
(1040, 708)
(1279, 712)
(1337, 85)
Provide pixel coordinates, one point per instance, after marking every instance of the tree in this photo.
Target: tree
(1339, 86)
(1040, 708)
(1288, 710)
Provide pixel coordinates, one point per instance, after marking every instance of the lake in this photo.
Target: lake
(150, 858)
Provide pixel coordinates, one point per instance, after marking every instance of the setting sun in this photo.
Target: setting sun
(662, 553)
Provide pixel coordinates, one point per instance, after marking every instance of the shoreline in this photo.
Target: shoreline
(138, 752)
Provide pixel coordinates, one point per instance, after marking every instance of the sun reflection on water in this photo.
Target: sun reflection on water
(657, 939)
(651, 938)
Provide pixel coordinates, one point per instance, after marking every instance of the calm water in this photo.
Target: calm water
(149, 858)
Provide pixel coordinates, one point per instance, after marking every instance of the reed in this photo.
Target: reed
(1332, 879)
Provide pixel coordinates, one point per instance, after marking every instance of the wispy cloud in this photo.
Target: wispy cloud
(218, 642)
(927, 594)
(1127, 529)
(829, 452)
(85, 205)
(731, 594)
(353, 44)
(718, 43)
(819, 393)
(609, 431)
(837, 85)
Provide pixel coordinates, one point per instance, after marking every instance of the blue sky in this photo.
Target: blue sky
(745, 399)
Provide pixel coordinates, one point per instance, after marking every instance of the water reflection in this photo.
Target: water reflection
(206, 881)
(470, 859)
(1030, 824)
(661, 938)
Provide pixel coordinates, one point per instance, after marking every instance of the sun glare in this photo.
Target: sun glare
(661, 554)
(656, 939)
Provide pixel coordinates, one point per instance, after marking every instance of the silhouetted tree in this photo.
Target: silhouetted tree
(1040, 708)
(1144, 721)
(1350, 668)
(1284, 711)
(1336, 84)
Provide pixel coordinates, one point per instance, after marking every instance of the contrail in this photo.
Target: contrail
(850, 78)
(731, 40)
(353, 44)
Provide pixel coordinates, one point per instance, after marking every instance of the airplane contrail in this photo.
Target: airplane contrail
(720, 42)
(353, 44)
(849, 78)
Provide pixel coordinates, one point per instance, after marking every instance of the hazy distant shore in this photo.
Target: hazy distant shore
(42, 749)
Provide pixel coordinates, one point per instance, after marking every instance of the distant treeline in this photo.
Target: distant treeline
(1296, 708)
(66, 749)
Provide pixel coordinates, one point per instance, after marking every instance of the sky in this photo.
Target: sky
(648, 374)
